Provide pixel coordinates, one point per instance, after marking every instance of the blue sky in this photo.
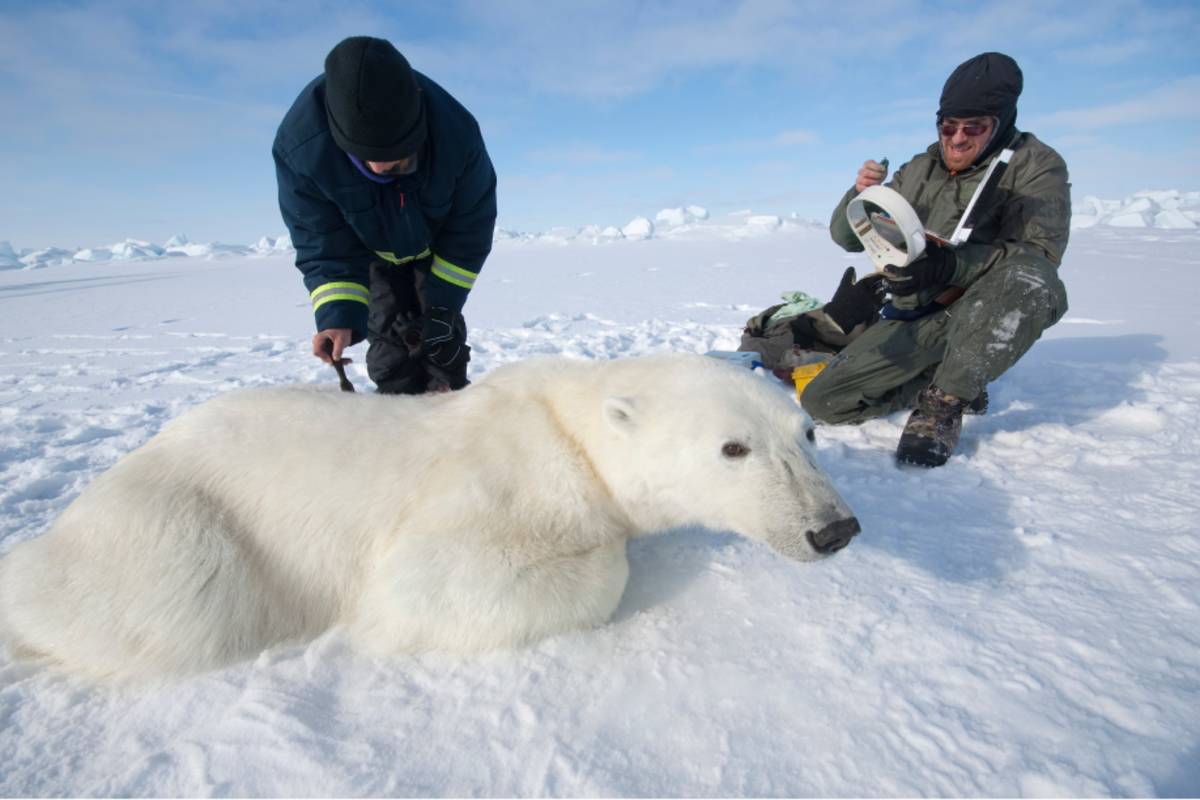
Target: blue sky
(146, 119)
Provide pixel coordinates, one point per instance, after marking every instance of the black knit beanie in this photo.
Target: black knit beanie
(372, 100)
(987, 85)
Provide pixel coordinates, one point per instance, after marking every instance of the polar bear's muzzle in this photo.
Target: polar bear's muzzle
(834, 536)
(815, 543)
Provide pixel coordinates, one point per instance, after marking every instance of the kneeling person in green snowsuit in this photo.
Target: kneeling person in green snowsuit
(957, 318)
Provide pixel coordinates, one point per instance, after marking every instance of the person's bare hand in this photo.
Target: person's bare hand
(328, 344)
(871, 173)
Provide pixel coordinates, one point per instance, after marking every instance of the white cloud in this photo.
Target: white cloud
(614, 50)
(132, 79)
(1110, 170)
(1106, 53)
(583, 154)
(1176, 100)
(797, 137)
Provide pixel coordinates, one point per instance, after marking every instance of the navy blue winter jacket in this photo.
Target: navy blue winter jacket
(342, 217)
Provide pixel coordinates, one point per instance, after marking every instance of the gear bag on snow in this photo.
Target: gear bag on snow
(786, 341)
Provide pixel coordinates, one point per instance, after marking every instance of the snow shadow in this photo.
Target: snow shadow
(1133, 348)
(1068, 381)
(948, 522)
(952, 522)
(663, 565)
(19, 290)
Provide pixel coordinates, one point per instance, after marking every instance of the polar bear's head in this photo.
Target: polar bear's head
(697, 441)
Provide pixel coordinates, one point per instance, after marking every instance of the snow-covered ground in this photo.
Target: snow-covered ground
(1023, 621)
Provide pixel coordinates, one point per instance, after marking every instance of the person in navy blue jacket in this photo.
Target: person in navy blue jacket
(390, 198)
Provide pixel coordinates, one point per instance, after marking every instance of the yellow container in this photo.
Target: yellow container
(803, 375)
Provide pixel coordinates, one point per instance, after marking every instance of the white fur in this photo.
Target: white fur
(479, 519)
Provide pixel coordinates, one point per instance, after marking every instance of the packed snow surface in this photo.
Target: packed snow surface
(1022, 621)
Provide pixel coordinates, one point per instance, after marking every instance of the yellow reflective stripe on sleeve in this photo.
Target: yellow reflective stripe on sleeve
(392, 258)
(339, 290)
(453, 274)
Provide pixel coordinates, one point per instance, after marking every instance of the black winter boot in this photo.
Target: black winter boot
(979, 406)
(931, 434)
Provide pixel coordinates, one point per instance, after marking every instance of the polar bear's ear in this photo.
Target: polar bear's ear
(621, 413)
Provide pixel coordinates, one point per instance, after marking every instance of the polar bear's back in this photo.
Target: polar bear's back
(689, 380)
(257, 517)
(238, 525)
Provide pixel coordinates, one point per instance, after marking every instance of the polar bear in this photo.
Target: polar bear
(479, 519)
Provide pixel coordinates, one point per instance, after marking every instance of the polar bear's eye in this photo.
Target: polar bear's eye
(811, 435)
(735, 450)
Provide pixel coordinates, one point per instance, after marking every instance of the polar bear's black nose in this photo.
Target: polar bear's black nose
(834, 536)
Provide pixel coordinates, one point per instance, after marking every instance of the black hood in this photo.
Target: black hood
(986, 85)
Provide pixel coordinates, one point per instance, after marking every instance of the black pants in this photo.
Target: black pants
(394, 332)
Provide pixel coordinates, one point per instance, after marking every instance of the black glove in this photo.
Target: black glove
(853, 303)
(443, 339)
(934, 268)
(406, 330)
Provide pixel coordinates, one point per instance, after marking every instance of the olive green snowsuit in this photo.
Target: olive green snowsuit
(1009, 269)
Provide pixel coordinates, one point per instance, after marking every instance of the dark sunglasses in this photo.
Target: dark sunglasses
(948, 129)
